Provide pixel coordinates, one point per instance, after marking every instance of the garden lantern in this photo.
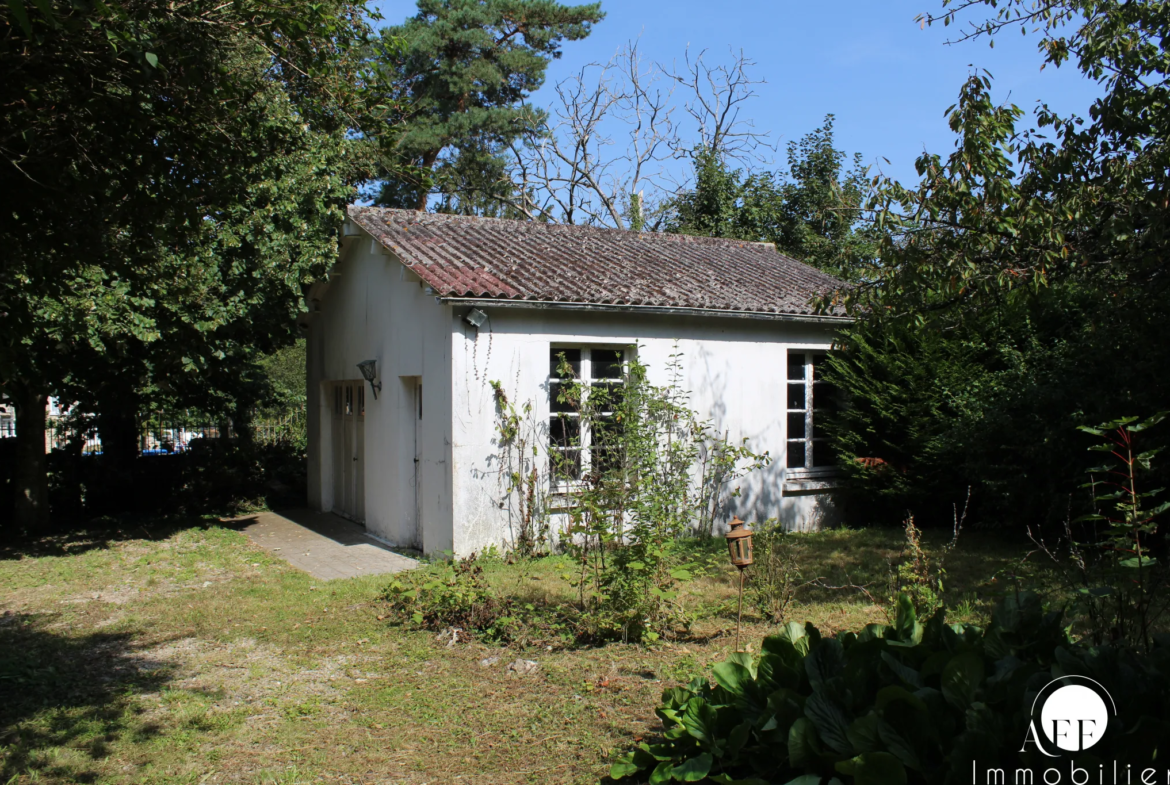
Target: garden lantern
(369, 369)
(739, 546)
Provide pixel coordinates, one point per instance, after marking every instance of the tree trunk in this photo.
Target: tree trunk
(117, 422)
(32, 486)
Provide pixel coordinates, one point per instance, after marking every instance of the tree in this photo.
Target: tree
(1046, 248)
(614, 133)
(812, 211)
(173, 174)
(463, 73)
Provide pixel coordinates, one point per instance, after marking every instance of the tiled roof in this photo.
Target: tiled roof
(461, 256)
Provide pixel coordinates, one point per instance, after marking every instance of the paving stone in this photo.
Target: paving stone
(323, 545)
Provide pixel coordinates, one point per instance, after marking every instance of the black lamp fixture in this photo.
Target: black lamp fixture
(369, 369)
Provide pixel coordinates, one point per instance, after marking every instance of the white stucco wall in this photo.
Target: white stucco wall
(735, 370)
(372, 307)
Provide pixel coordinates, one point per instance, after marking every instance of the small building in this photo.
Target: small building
(445, 305)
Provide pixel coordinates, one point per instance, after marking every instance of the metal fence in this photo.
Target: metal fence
(160, 434)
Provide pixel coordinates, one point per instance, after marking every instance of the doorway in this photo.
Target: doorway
(349, 475)
(412, 443)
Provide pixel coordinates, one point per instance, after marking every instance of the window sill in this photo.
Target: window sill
(804, 480)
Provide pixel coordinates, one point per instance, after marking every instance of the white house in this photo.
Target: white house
(444, 305)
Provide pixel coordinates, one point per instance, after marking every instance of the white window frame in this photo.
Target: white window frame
(808, 382)
(562, 485)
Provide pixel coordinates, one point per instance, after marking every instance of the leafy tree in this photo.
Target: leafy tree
(812, 211)
(462, 76)
(174, 174)
(1046, 249)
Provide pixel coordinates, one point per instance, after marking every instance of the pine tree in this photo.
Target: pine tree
(465, 68)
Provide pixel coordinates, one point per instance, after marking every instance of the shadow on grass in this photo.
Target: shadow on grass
(71, 539)
(65, 700)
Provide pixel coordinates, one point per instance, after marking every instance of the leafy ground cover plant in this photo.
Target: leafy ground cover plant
(897, 704)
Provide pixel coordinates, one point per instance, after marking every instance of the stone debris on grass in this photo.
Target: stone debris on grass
(488, 662)
(523, 667)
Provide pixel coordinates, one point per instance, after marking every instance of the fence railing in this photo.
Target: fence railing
(160, 435)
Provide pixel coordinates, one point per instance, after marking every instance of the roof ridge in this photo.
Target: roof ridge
(483, 219)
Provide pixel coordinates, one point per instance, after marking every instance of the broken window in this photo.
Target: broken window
(576, 448)
(810, 399)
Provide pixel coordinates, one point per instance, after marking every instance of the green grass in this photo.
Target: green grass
(179, 652)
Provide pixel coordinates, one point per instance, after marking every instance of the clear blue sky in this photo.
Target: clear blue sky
(866, 61)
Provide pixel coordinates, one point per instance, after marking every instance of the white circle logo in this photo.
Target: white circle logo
(1074, 718)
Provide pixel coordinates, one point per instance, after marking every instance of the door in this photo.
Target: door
(349, 414)
(418, 497)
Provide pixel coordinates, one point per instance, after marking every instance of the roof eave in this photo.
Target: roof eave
(499, 302)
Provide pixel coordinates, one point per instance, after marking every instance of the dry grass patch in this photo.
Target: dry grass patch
(181, 653)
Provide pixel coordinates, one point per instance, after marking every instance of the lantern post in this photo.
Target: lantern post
(739, 547)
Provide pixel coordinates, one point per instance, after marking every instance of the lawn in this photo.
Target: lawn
(179, 652)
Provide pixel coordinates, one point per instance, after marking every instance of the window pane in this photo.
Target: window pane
(824, 396)
(571, 356)
(796, 365)
(564, 431)
(606, 396)
(796, 455)
(823, 454)
(565, 464)
(607, 363)
(818, 361)
(562, 398)
(796, 396)
(796, 426)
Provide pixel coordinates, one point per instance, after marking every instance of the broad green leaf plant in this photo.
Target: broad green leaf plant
(901, 704)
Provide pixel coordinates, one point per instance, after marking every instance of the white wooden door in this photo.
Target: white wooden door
(349, 414)
(418, 497)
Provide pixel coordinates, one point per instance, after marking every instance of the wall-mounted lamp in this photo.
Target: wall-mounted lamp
(369, 369)
(475, 318)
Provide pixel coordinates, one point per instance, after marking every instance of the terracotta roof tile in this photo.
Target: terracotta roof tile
(460, 256)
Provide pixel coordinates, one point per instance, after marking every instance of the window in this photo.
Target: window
(577, 448)
(809, 398)
(349, 399)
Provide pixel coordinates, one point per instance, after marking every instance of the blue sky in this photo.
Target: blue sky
(866, 61)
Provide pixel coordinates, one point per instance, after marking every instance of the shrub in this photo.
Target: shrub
(452, 596)
(777, 576)
(907, 703)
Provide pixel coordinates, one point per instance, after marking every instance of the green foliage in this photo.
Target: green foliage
(1112, 570)
(811, 212)
(526, 485)
(905, 703)
(452, 596)
(776, 576)
(1033, 253)
(638, 499)
(207, 150)
(463, 70)
(915, 578)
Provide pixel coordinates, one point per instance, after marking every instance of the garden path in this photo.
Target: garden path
(322, 544)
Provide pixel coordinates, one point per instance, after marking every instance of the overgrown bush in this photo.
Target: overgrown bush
(776, 576)
(642, 493)
(1113, 559)
(212, 476)
(906, 703)
(452, 596)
